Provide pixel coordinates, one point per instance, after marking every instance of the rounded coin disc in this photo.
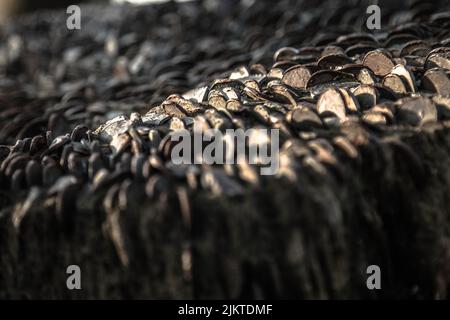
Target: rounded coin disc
(379, 62)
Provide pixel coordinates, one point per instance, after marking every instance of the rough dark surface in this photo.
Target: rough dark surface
(362, 183)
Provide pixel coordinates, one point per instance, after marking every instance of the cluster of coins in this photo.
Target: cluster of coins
(94, 133)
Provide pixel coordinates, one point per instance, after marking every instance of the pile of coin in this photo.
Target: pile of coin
(86, 154)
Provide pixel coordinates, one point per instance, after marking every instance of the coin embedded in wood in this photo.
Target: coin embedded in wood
(378, 62)
(435, 80)
(296, 76)
(366, 95)
(395, 83)
(332, 102)
(303, 118)
(416, 111)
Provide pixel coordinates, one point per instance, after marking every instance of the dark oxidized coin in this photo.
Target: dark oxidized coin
(406, 76)
(365, 76)
(331, 102)
(359, 49)
(4, 152)
(416, 47)
(18, 180)
(50, 174)
(435, 80)
(330, 61)
(439, 57)
(303, 119)
(326, 76)
(366, 95)
(95, 163)
(285, 53)
(442, 106)
(385, 108)
(395, 83)
(374, 117)
(219, 183)
(378, 62)
(296, 77)
(416, 111)
(351, 103)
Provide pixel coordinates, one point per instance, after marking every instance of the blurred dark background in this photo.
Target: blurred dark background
(11, 8)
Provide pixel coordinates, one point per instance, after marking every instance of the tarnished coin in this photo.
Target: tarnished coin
(366, 95)
(442, 106)
(438, 58)
(219, 183)
(296, 76)
(332, 102)
(359, 49)
(120, 142)
(395, 83)
(385, 108)
(33, 173)
(378, 62)
(415, 47)
(199, 94)
(327, 76)
(351, 103)
(303, 118)
(435, 80)
(331, 61)
(406, 76)
(374, 117)
(172, 110)
(416, 111)
(286, 53)
(191, 108)
(365, 76)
